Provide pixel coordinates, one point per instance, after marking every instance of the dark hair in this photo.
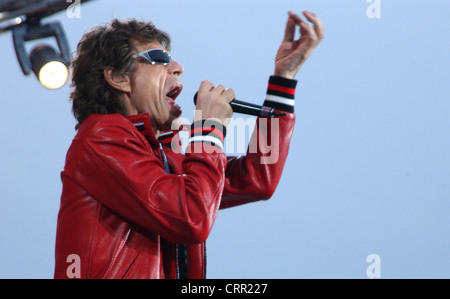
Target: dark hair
(107, 46)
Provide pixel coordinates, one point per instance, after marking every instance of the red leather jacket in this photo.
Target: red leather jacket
(122, 214)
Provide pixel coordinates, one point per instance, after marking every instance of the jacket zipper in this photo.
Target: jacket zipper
(180, 249)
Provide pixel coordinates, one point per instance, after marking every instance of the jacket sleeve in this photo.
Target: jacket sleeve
(256, 175)
(116, 165)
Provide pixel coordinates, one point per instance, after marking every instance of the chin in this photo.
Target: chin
(175, 123)
(172, 123)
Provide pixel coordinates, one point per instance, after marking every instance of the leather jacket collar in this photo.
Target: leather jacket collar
(170, 139)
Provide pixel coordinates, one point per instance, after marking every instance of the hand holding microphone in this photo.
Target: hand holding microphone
(249, 109)
(213, 103)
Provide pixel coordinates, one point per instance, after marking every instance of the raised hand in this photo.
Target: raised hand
(293, 53)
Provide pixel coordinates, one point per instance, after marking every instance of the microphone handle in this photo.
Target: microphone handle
(245, 104)
(249, 108)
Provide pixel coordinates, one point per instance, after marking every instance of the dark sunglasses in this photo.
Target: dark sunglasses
(155, 56)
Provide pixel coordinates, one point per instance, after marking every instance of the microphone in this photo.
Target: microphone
(250, 109)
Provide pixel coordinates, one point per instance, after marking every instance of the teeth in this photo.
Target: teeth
(172, 93)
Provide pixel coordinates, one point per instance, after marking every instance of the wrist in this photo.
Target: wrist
(284, 75)
(281, 93)
(208, 131)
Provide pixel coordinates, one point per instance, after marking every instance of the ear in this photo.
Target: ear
(116, 81)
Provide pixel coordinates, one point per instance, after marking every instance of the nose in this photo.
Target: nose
(175, 68)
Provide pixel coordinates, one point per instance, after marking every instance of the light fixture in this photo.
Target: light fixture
(50, 67)
(23, 18)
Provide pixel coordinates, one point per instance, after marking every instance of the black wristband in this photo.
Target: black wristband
(281, 93)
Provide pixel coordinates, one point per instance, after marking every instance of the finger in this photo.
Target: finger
(228, 94)
(295, 18)
(308, 31)
(315, 20)
(218, 89)
(289, 32)
(206, 86)
(305, 28)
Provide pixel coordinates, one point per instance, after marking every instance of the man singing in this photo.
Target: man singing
(132, 204)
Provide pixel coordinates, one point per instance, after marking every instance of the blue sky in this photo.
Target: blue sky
(369, 165)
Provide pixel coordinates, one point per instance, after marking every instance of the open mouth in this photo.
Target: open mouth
(174, 92)
(172, 95)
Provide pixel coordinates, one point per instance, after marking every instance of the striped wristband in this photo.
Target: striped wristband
(208, 131)
(281, 93)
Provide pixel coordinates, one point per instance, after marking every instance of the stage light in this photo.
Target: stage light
(49, 67)
(23, 18)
